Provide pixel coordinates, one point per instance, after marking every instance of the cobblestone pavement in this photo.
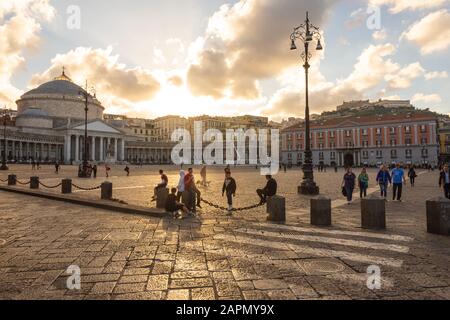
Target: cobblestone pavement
(218, 257)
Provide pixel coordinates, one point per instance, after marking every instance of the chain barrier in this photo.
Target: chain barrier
(1, 180)
(23, 183)
(86, 189)
(234, 209)
(50, 187)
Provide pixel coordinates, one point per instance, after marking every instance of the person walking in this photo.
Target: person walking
(127, 170)
(398, 179)
(193, 192)
(163, 184)
(444, 181)
(107, 170)
(33, 164)
(180, 186)
(94, 171)
(229, 187)
(363, 181)
(203, 175)
(57, 167)
(348, 182)
(383, 180)
(412, 175)
(269, 190)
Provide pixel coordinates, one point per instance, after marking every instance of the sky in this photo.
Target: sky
(149, 58)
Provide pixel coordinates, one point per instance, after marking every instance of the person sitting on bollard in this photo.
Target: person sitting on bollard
(269, 190)
(173, 206)
(444, 181)
(229, 186)
(127, 170)
(363, 181)
(181, 187)
(348, 183)
(383, 180)
(163, 184)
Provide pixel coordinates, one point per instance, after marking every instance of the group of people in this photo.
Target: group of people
(186, 197)
(384, 178)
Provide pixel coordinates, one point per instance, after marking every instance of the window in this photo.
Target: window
(290, 156)
(332, 134)
(408, 153)
(365, 132)
(408, 129)
(392, 130)
(423, 128)
(289, 147)
(347, 133)
(299, 136)
(365, 144)
(425, 153)
(289, 137)
(423, 141)
(393, 142)
(321, 156)
(365, 154)
(332, 145)
(408, 141)
(320, 145)
(320, 135)
(378, 131)
(393, 154)
(379, 143)
(333, 155)
(379, 154)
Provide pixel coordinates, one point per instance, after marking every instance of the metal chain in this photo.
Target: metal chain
(23, 183)
(234, 209)
(86, 189)
(4, 180)
(50, 187)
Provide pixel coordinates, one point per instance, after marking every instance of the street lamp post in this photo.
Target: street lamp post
(306, 33)
(85, 168)
(4, 167)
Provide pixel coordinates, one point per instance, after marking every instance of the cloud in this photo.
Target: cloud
(176, 81)
(373, 68)
(19, 29)
(432, 33)
(397, 6)
(436, 75)
(248, 42)
(380, 35)
(430, 98)
(111, 78)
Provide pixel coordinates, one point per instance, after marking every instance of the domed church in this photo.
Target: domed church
(50, 126)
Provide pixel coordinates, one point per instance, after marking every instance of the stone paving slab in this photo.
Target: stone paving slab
(125, 256)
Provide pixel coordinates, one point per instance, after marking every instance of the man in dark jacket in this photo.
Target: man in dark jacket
(269, 190)
(444, 181)
(229, 187)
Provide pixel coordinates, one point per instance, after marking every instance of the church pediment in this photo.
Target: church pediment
(98, 126)
(347, 123)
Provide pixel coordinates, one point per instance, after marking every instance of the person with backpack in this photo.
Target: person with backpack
(383, 180)
(412, 175)
(363, 181)
(348, 183)
(229, 187)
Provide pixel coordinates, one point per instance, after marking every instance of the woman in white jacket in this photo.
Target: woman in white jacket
(180, 185)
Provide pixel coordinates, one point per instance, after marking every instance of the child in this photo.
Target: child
(127, 170)
(173, 206)
(229, 186)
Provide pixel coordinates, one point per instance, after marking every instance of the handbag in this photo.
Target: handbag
(344, 192)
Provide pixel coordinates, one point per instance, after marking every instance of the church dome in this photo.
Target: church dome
(61, 85)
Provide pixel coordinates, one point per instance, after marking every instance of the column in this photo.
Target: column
(20, 150)
(28, 151)
(385, 137)
(122, 150)
(372, 138)
(416, 135)
(77, 148)
(326, 140)
(101, 158)
(115, 150)
(14, 149)
(358, 137)
(93, 148)
(431, 128)
(400, 136)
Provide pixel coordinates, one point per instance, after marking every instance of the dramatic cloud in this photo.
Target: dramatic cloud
(19, 28)
(373, 69)
(397, 6)
(436, 75)
(102, 70)
(430, 98)
(432, 33)
(246, 43)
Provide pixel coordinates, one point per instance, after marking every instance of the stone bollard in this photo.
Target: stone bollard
(66, 186)
(12, 180)
(438, 216)
(373, 213)
(276, 207)
(321, 211)
(107, 190)
(34, 183)
(161, 197)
